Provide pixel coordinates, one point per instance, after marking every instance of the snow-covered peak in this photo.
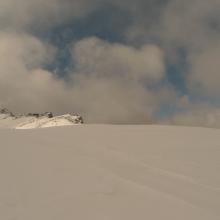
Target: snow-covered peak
(44, 122)
(35, 120)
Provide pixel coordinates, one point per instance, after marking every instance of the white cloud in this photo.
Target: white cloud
(24, 85)
(197, 115)
(106, 86)
(100, 58)
(24, 48)
(109, 80)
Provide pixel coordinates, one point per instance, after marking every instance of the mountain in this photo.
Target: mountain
(110, 172)
(36, 120)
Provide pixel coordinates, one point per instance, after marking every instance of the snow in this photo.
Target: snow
(45, 122)
(106, 172)
(28, 122)
(12, 122)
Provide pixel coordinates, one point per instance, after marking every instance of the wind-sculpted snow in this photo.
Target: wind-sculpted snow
(96, 172)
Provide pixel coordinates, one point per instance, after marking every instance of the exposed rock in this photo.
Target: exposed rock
(5, 111)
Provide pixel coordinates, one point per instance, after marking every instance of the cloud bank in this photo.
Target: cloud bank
(106, 85)
(114, 82)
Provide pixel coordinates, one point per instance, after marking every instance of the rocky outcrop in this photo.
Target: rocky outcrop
(5, 111)
(38, 115)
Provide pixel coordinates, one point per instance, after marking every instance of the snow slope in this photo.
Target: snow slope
(106, 172)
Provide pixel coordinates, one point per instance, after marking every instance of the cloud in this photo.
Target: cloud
(204, 76)
(109, 80)
(122, 82)
(191, 113)
(195, 27)
(196, 115)
(42, 14)
(24, 84)
(100, 58)
(105, 86)
(24, 48)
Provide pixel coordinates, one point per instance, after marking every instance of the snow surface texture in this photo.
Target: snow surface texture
(106, 172)
(27, 122)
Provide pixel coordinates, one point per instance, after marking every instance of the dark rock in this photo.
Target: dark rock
(6, 112)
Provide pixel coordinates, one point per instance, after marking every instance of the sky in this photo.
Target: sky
(143, 61)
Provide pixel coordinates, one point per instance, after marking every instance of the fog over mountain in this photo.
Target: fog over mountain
(112, 61)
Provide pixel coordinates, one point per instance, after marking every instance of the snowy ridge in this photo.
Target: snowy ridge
(35, 120)
(44, 122)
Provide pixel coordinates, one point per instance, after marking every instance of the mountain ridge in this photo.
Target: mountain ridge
(37, 120)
